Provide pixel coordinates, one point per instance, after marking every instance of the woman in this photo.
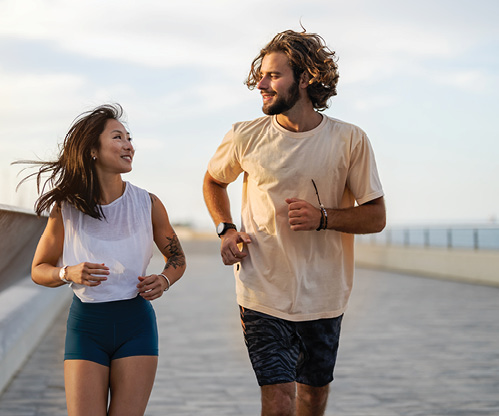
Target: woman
(99, 240)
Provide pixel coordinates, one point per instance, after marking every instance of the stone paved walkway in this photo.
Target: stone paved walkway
(410, 346)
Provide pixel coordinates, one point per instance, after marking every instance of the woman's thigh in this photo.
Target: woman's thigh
(131, 381)
(87, 386)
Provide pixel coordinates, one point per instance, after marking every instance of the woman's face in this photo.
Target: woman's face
(116, 151)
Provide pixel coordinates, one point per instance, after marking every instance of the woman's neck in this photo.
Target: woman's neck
(111, 190)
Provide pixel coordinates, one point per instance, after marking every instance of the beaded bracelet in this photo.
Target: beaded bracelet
(323, 223)
(167, 281)
(324, 213)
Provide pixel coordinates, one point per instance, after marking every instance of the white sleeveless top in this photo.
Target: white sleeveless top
(122, 240)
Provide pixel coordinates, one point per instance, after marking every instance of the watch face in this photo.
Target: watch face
(220, 228)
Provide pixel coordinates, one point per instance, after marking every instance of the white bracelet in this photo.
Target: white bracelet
(167, 281)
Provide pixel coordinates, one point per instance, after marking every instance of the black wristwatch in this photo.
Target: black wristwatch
(223, 227)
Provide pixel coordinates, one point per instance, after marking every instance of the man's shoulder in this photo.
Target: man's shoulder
(344, 126)
(252, 126)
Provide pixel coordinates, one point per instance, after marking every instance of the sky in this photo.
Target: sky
(420, 77)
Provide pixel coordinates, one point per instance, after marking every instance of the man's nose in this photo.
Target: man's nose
(263, 84)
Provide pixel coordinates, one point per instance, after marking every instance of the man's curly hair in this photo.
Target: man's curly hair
(307, 53)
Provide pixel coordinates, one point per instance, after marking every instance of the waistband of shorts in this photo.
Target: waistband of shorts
(118, 309)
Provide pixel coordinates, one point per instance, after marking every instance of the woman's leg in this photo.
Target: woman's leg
(87, 387)
(132, 379)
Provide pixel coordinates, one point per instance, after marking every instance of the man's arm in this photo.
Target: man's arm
(363, 219)
(218, 204)
(216, 199)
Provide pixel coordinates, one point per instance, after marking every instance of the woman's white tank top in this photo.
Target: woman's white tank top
(123, 241)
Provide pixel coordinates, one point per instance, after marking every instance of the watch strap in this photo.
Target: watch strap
(62, 274)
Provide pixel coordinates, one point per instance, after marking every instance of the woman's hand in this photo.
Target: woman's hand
(152, 287)
(88, 274)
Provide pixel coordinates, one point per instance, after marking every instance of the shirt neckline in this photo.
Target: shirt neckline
(117, 199)
(300, 134)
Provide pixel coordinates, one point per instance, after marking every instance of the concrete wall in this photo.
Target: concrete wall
(26, 310)
(19, 232)
(473, 266)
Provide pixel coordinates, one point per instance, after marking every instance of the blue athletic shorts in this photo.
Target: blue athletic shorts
(102, 332)
(283, 351)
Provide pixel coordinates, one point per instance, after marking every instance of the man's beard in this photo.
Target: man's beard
(283, 104)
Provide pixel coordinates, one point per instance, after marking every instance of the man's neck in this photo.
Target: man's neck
(299, 119)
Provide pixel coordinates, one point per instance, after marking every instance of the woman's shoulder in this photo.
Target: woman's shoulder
(130, 187)
(137, 193)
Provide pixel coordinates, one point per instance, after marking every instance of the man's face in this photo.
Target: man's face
(277, 85)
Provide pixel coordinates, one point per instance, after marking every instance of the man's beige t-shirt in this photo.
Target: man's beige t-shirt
(296, 275)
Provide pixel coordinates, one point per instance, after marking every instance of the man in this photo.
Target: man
(310, 183)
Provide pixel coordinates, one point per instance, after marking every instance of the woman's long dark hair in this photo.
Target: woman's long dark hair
(72, 177)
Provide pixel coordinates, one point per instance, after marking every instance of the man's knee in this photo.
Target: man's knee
(278, 399)
(312, 397)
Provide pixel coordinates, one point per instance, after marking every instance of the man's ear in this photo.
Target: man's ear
(305, 79)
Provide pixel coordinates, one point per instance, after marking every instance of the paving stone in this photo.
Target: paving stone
(410, 346)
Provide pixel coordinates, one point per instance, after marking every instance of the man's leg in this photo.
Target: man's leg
(321, 341)
(279, 399)
(274, 348)
(290, 399)
(311, 401)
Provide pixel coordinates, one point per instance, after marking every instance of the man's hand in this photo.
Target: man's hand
(302, 215)
(229, 248)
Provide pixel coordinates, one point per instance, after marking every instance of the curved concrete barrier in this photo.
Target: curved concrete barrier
(20, 231)
(471, 266)
(26, 310)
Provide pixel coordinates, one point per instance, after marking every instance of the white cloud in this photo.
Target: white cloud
(471, 80)
(149, 33)
(39, 107)
(208, 45)
(33, 104)
(375, 102)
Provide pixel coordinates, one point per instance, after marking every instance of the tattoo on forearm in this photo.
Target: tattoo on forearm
(177, 257)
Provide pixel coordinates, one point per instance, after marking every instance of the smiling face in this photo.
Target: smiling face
(277, 85)
(115, 153)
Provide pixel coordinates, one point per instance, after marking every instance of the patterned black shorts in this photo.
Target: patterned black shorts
(284, 351)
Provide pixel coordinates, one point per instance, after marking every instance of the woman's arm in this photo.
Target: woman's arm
(44, 270)
(153, 286)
